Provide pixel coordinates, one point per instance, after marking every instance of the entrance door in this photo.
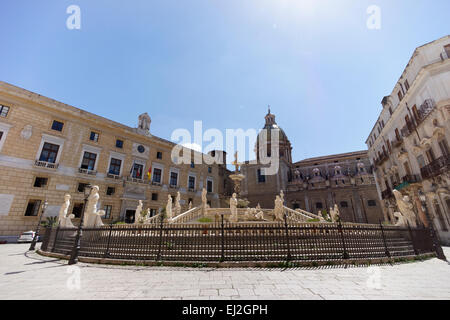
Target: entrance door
(129, 216)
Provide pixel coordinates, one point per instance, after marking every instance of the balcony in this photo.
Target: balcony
(156, 183)
(386, 194)
(87, 171)
(48, 165)
(407, 181)
(381, 159)
(408, 129)
(397, 142)
(191, 189)
(173, 186)
(135, 180)
(435, 168)
(113, 176)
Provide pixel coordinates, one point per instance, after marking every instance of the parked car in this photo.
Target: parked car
(28, 237)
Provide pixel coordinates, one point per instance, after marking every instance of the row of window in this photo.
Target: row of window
(94, 136)
(342, 204)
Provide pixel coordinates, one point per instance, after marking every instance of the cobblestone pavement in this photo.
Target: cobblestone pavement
(27, 275)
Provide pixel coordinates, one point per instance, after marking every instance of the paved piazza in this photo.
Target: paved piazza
(27, 275)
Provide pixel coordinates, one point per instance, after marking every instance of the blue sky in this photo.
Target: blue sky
(316, 63)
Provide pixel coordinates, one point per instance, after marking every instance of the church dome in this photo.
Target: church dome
(283, 141)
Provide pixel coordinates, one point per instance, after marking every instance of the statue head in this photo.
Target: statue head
(234, 195)
(169, 197)
(94, 189)
(277, 198)
(67, 197)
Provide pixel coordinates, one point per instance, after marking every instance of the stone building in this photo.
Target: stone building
(48, 149)
(408, 144)
(315, 184)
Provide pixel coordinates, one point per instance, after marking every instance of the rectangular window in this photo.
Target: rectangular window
(390, 111)
(108, 209)
(81, 187)
(173, 179)
(400, 95)
(261, 178)
(344, 204)
(110, 191)
(114, 166)
(154, 197)
(94, 136)
(119, 144)
(152, 212)
(40, 182)
(209, 170)
(3, 111)
(442, 145)
(77, 209)
(406, 85)
(57, 125)
(159, 155)
(371, 203)
(192, 165)
(137, 171)
(421, 161)
(33, 208)
(49, 152)
(191, 184)
(209, 186)
(157, 175)
(88, 161)
(1, 135)
(447, 50)
(319, 205)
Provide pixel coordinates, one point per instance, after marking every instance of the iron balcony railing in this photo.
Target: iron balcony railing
(435, 168)
(407, 181)
(423, 112)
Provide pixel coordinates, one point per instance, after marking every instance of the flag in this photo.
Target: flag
(149, 173)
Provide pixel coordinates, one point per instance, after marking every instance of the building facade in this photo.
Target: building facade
(408, 145)
(49, 149)
(316, 184)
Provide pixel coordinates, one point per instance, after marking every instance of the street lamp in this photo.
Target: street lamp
(77, 244)
(433, 234)
(38, 228)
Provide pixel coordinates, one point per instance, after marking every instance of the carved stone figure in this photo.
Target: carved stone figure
(278, 210)
(334, 213)
(177, 204)
(27, 132)
(169, 213)
(138, 219)
(64, 220)
(204, 199)
(144, 122)
(233, 208)
(282, 196)
(401, 220)
(147, 216)
(190, 205)
(93, 216)
(406, 208)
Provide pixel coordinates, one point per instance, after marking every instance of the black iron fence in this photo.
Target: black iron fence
(242, 242)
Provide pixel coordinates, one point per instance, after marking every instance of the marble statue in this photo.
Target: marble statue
(204, 199)
(233, 208)
(282, 196)
(137, 214)
(405, 207)
(93, 216)
(258, 207)
(401, 221)
(169, 213)
(64, 220)
(190, 205)
(147, 216)
(177, 204)
(278, 210)
(334, 213)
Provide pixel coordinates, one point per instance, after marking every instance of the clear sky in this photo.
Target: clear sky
(316, 63)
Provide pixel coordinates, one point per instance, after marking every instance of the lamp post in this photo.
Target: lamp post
(77, 244)
(433, 234)
(38, 228)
